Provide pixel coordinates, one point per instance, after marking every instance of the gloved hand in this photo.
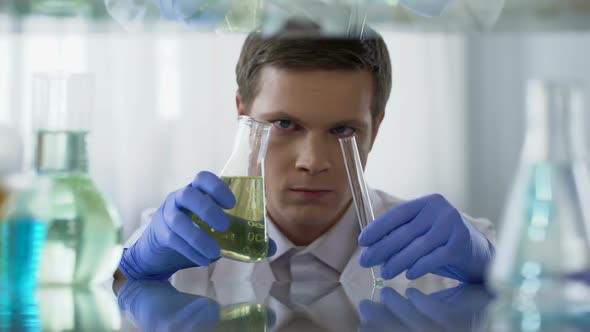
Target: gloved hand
(426, 235)
(462, 308)
(157, 306)
(172, 241)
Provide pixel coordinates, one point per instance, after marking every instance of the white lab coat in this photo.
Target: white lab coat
(356, 280)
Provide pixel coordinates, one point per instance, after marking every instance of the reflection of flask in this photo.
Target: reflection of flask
(78, 309)
(83, 243)
(543, 245)
(502, 316)
(247, 238)
(245, 317)
(19, 311)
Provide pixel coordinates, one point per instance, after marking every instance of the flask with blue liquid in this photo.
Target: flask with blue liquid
(543, 253)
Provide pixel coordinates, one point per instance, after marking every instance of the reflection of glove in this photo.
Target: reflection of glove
(199, 12)
(457, 309)
(157, 306)
(172, 241)
(427, 235)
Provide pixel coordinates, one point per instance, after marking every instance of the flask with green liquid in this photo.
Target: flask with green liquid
(83, 244)
(247, 237)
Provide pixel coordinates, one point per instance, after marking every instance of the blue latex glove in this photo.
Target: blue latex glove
(157, 306)
(172, 241)
(427, 235)
(461, 308)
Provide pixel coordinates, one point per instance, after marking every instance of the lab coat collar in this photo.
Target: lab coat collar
(333, 248)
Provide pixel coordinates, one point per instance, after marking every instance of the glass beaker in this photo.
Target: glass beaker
(83, 245)
(247, 237)
(543, 249)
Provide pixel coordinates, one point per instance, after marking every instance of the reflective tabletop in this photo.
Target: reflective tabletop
(335, 17)
(321, 306)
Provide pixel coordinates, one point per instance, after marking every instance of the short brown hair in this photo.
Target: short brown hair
(298, 46)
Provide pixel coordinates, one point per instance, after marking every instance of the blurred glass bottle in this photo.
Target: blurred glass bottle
(22, 219)
(23, 227)
(22, 233)
(543, 250)
(83, 243)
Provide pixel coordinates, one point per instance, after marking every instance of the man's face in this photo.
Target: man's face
(305, 175)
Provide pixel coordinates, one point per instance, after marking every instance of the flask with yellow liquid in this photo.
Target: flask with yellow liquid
(247, 238)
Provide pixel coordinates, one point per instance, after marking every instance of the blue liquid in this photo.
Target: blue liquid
(21, 241)
(19, 311)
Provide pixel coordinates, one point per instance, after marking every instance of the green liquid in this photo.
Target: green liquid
(83, 244)
(246, 239)
(243, 317)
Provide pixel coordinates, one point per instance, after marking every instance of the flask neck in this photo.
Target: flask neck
(555, 123)
(247, 157)
(61, 152)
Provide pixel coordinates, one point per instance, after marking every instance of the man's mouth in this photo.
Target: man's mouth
(310, 193)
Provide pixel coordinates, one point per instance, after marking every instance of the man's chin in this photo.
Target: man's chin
(312, 219)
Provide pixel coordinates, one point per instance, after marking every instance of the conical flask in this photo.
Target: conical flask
(83, 244)
(543, 250)
(247, 237)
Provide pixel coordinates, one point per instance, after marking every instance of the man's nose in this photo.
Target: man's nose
(313, 154)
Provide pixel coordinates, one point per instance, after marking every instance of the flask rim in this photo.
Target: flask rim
(248, 119)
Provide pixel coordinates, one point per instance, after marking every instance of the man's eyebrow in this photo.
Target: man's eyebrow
(351, 122)
(282, 115)
(279, 115)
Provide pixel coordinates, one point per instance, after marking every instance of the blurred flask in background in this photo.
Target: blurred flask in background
(22, 234)
(83, 245)
(542, 257)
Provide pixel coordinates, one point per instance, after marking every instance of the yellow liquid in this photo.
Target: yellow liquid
(246, 239)
(3, 199)
(243, 317)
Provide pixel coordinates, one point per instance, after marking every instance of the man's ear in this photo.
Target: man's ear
(240, 107)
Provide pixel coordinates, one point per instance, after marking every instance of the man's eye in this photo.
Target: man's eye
(284, 124)
(343, 131)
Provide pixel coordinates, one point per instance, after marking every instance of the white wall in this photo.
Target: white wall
(161, 99)
(498, 68)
